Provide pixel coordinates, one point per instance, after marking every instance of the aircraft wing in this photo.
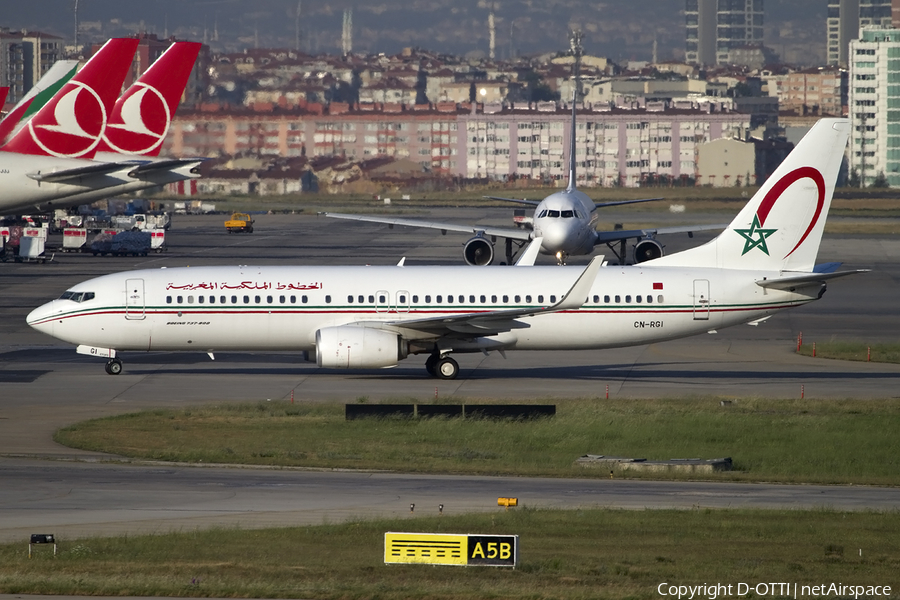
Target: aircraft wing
(76, 174)
(515, 234)
(517, 200)
(604, 237)
(620, 202)
(497, 321)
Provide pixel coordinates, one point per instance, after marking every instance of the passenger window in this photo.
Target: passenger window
(596, 299)
(281, 299)
(221, 299)
(505, 298)
(471, 299)
(257, 299)
(638, 298)
(483, 299)
(528, 299)
(415, 299)
(649, 299)
(449, 298)
(234, 299)
(246, 299)
(540, 298)
(179, 299)
(349, 299)
(168, 299)
(361, 299)
(518, 298)
(328, 299)
(427, 299)
(606, 299)
(212, 299)
(627, 299)
(200, 299)
(438, 298)
(494, 299)
(381, 299)
(269, 299)
(190, 299)
(371, 299)
(659, 299)
(293, 299)
(304, 299)
(402, 299)
(553, 298)
(618, 299)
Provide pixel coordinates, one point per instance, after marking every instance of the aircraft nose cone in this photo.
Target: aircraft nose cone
(555, 237)
(41, 319)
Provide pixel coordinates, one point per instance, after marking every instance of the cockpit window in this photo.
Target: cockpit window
(568, 214)
(543, 214)
(77, 296)
(553, 214)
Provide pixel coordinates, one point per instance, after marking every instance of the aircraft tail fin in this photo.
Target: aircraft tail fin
(140, 119)
(780, 228)
(41, 93)
(72, 122)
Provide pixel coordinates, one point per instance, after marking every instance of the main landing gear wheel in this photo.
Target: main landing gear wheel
(447, 368)
(430, 363)
(114, 366)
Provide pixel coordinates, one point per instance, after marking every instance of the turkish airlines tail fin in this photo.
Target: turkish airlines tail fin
(781, 227)
(41, 93)
(72, 122)
(141, 117)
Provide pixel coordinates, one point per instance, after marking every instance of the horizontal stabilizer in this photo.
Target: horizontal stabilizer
(801, 280)
(515, 234)
(162, 165)
(73, 175)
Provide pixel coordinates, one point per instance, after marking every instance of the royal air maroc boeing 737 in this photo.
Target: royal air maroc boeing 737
(375, 316)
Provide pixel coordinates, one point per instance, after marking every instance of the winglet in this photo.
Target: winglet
(577, 296)
(531, 251)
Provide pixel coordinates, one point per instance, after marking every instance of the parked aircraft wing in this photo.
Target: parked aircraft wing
(604, 237)
(517, 200)
(621, 202)
(444, 227)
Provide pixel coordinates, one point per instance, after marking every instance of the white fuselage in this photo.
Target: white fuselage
(281, 308)
(565, 222)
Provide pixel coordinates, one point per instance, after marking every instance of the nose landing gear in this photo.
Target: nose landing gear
(114, 366)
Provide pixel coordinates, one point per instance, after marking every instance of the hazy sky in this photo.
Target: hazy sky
(620, 30)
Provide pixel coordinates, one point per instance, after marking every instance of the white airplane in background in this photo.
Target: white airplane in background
(375, 316)
(125, 158)
(565, 222)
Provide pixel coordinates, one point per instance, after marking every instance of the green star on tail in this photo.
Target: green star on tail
(749, 234)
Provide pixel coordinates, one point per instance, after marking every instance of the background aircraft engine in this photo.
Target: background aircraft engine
(647, 249)
(350, 347)
(478, 252)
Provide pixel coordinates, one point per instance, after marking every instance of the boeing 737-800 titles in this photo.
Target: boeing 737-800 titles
(375, 316)
(565, 222)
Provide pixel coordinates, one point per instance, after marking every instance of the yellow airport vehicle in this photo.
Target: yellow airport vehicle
(239, 222)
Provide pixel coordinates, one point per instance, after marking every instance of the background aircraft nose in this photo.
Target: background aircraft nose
(555, 234)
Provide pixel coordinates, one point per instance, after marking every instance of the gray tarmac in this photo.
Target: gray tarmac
(44, 385)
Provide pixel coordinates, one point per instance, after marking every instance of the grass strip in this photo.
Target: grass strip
(791, 441)
(858, 351)
(596, 553)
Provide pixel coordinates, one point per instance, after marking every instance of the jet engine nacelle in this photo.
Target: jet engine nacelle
(647, 249)
(351, 347)
(478, 252)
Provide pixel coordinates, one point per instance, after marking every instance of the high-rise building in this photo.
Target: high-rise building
(716, 27)
(847, 17)
(24, 58)
(874, 101)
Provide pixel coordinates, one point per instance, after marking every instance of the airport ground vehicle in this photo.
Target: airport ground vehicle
(239, 222)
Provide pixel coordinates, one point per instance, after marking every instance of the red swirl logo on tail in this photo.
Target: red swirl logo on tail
(139, 122)
(80, 118)
(773, 195)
